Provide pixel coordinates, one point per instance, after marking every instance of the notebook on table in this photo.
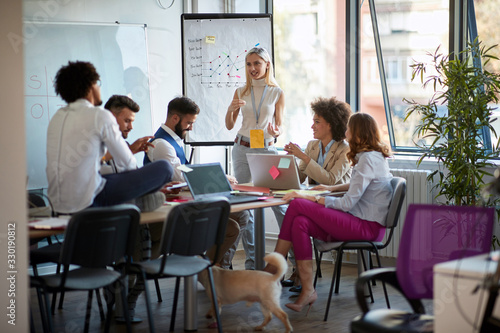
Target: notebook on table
(278, 172)
(209, 180)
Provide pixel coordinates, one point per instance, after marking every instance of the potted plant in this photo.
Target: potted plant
(451, 122)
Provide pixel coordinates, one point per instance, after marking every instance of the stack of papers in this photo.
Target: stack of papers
(50, 223)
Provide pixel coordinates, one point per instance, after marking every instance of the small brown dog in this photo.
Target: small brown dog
(250, 286)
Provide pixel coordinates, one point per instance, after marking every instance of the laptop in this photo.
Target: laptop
(209, 180)
(277, 172)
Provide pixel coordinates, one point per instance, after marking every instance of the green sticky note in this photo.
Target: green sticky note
(284, 163)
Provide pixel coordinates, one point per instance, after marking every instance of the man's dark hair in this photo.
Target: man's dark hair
(182, 106)
(74, 80)
(335, 112)
(116, 103)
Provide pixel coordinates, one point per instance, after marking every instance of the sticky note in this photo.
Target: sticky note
(274, 172)
(256, 138)
(184, 168)
(284, 163)
(210, 39)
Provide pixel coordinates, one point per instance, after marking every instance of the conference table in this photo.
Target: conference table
(190, 283)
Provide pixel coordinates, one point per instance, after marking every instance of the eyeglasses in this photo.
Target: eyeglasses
(98, 82)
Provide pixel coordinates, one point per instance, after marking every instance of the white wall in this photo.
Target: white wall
(12, 174)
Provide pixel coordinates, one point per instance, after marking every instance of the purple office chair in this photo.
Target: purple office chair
(431, 234)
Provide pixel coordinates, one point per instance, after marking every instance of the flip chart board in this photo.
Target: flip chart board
(213, 55)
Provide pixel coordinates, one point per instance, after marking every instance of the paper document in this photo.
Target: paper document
(50, 223)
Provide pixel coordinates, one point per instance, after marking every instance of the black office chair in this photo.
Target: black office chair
(95, 239)
(190, 230)
(399, 190)
(51, 252)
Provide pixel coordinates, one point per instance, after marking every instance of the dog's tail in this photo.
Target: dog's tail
(277, 260)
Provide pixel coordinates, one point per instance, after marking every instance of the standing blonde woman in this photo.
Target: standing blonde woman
(261, 103)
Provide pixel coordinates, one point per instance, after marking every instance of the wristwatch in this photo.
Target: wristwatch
(316, 198)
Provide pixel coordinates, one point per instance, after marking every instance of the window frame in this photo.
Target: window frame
(462, 23)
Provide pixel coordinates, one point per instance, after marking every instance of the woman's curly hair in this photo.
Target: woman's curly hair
(74, 80)
(365, 136)
(335, 112)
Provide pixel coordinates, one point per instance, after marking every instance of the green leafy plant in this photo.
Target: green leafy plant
(452, 121)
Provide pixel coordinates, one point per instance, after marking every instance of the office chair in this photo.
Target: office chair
(431, 234)
(95, 239)
(190, 230)
(399, 190)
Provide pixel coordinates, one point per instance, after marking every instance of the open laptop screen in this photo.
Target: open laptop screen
(206, 179)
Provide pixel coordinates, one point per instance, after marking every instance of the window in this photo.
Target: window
(486, 12)
(309, 57)
(408, 30)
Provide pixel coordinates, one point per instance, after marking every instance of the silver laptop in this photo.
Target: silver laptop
(209, 180)
(277, 172)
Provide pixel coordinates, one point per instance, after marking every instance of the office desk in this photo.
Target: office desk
(458, 302)
(190, 283)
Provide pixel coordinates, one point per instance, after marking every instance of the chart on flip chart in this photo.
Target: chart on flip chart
(214, 49)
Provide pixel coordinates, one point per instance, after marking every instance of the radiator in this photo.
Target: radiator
(418, 190)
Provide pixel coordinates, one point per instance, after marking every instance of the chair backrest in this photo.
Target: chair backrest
(97, 237)
(398, 195)
(192, 228)
(436, 233)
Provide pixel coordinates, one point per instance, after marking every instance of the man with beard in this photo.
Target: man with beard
(168, 145)
(76, 140)
(124, 109)
(167, 142)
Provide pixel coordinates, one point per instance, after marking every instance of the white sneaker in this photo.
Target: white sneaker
(150, 202)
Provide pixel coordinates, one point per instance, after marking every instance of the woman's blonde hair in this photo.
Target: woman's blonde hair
(270, 80)
(365, 136)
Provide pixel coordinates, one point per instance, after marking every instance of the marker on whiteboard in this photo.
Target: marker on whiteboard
(257, 44)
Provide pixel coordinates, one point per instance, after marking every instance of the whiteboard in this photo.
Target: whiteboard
(119, 53)
(213, 54)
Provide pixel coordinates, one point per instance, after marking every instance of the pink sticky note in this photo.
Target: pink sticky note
(274, 172)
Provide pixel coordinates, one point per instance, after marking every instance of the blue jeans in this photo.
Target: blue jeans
(126, 186)
(242, 174)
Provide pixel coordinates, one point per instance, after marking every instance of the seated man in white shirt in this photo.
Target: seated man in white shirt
(77, 137)
(168, 145)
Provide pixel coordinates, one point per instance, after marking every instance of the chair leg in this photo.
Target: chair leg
(126, 313)
(364, 267)
(383, 283)
(214, 299)
(87, 314)
(148, 304)
(318, 267)
(109, 309)
(317, 255)
(44, 310)
(61, 298)
(99, 304)
(158, 291)
(174, 306)
(50, 325)
(338, 267)
(338, 262)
